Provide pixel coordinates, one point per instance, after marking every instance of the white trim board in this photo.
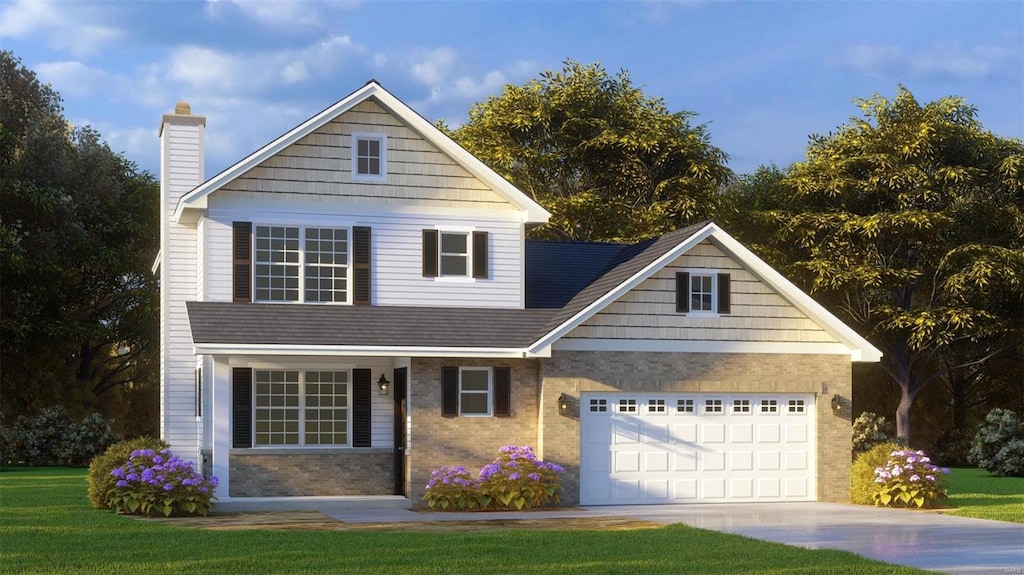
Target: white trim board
(365, 351)
(695, 346)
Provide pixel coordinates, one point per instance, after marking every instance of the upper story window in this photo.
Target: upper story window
(369, 157)
(297, 264)
(703, 292)
(454, 254)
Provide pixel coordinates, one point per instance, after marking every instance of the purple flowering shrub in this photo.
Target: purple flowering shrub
(452, 488)
(517, 479)
(158, 483)
(909, 479)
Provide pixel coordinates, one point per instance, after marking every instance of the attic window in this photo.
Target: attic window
(369, 157)
(703, 292)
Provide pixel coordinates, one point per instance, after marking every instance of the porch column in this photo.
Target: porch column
(222, 426)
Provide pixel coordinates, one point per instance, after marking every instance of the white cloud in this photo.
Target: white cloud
(80, 29)
(444, 73)
(945, 61)
(286, 14)
(435, 67)
(206, 70)
(72, 78)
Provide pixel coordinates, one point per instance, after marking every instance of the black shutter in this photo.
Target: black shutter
(361, 265)
(723, 293)
(361, 393)
(241, 407)
(480, 254)
(199, 392)
(502, 391)
(682, 292)
(429, 253)
(242, 262)
(449, 391)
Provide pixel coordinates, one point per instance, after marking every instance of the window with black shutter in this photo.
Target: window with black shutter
(361, 253)
(242, 262)
(703, 292)
(361, 397)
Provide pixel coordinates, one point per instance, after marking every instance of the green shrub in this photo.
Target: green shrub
(453, 488)
(862, 474)
(158, 483)
(909, 479)
(100, 479)
(999, 445)
(51, 437)
(869, 430)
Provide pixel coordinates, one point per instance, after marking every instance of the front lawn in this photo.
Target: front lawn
(47, 526)
(976, 493)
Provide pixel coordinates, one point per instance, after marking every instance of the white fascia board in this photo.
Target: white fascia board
(156, 261)
(861, 349)
(531, 211)
(620, 290)
(362, 351)
(695, 346)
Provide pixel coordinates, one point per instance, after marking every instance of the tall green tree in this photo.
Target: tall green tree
(911, 218)
(607, 161)
(78, 234)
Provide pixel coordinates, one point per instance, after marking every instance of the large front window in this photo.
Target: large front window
(301, 408)
(287, 257)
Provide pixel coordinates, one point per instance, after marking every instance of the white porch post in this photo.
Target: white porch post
(222, 426)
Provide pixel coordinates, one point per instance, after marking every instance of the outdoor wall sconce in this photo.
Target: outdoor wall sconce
(563, 404)
(383, 384)
(837, 404)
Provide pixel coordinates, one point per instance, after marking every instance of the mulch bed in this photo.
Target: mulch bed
(316, 521)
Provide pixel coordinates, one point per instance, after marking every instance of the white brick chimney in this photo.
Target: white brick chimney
(181, 170)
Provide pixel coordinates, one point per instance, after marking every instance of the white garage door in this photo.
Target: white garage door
(696, 448)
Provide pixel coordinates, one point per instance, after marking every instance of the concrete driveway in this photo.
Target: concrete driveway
(923, 539)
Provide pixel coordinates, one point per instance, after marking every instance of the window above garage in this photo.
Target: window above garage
(703, 292)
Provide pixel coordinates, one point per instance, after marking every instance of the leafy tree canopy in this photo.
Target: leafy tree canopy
(78, 233)
(911, 217)
(608, 162)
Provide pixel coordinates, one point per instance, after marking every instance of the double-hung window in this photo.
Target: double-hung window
(287, 257)
(454, 254)
(474, 391)
(703, 292)
(369, 157)
(301, 408)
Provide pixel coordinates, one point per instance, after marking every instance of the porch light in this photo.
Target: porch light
(383, 384)
(837, 403)
(563, 404)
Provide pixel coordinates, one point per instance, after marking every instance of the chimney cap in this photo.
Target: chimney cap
(182, 108)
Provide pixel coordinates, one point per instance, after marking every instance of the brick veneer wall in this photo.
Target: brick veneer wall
(469, 441)
(573, 372)
(323, 472)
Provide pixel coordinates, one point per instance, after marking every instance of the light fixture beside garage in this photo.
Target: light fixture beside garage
(563, 404)
(837, 404)
(382, 384)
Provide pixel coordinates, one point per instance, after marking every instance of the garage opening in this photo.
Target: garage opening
(696, 448)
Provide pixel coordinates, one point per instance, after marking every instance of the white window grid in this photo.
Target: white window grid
(713, 406)
(769, 406)
(796, 406)
(453, 253)
(323, 418)
(655, 406)
(702, 293)
(369, 157)
(741, 406)
(598, 405)
(684, 405)
(287, 257)
(627, 406)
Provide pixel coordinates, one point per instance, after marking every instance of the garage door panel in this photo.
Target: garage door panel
(692, 447)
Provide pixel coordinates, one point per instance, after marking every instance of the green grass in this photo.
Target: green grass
(47, 526)
(976, 493)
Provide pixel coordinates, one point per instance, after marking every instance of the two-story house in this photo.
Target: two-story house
(356, 304)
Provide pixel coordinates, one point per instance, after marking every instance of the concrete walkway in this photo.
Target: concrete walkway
(927, 540)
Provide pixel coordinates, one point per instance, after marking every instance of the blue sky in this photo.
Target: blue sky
(762, 75)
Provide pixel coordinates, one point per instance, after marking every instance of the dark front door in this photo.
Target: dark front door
(401, 405)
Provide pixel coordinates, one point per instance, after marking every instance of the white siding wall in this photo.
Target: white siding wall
(647, 311)
(397, 249)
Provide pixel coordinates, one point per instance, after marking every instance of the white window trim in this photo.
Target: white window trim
(714, 292)
(490, 391)
(302, 263)
(302, 407)
(383, 139)
(468, 232)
